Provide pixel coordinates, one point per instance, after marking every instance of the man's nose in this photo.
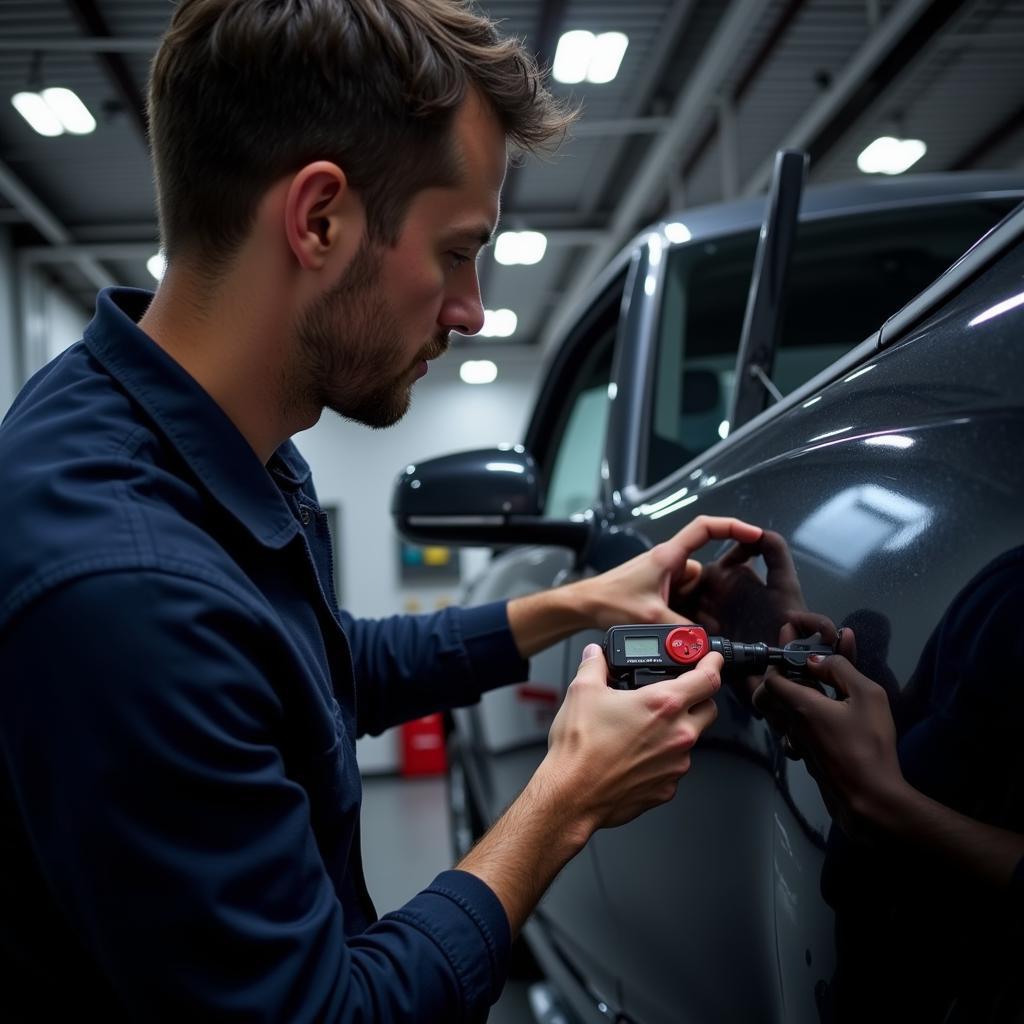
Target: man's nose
(463, 312)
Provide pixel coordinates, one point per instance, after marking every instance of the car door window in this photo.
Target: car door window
(573, 462)
(847, 276)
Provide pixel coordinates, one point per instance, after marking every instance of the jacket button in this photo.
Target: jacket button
(305, 515)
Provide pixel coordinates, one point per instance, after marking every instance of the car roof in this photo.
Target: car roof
(856, 195)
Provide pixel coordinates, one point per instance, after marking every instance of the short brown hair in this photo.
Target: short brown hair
(242, 92)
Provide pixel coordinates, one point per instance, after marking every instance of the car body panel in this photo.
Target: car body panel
(895, 475)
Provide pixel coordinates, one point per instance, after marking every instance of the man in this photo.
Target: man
(180, 693)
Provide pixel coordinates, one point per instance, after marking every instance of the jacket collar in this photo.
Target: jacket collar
(193, 423)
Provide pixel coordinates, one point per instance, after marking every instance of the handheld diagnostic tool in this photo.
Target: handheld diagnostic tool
(639, 655)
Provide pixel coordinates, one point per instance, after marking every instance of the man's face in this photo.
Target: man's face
(364, 343)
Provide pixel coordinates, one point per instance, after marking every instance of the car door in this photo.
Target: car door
(509, 726)
(716, 895)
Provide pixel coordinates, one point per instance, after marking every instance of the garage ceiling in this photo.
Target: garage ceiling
(706, 93)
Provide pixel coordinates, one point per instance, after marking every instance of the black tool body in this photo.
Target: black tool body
(640, 655)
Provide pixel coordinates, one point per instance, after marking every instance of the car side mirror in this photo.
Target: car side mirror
(487, 497)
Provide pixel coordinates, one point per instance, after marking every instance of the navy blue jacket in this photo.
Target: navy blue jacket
(179, 701)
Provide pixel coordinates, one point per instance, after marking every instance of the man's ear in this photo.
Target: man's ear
(324, 219)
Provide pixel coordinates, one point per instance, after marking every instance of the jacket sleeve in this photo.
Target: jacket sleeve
(144, 739)
(411, 665)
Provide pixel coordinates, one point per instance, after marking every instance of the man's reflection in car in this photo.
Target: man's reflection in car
(731, 599)
(925, 860)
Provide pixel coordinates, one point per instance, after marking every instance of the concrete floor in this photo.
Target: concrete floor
(405, 845)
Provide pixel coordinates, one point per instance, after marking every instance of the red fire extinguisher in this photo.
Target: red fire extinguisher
(423, 746)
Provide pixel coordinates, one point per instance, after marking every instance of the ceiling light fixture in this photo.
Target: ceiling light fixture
(609, 49)
(478, 371)
(499, 323)
(584, 56)
(520, 248)
(37, 112)
(156, 265)
(73, 113)
(54, 111)
(889, 155)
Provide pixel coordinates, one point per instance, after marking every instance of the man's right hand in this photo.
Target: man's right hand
(612, 754)
(617, 753)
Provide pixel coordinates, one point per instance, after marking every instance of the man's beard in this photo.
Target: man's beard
(351, 351)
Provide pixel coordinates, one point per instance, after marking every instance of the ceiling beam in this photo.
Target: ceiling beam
(764, 52)
(92, 21)
(552, 14)
(619, 126)
(985, 40)
(649, 185)
(864, 78)
(15, 192)
(555, 223)
(81, 44)
(136, 250)
(595, 186)
(96, 250)
(1006, 128)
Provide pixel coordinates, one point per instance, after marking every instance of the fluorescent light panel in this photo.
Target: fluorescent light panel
(584, 56)
(73, 113)
(520, 247)
(499, 323)
(156, 265)
(888, 155)
(609, 49)
(54, 111)
(37, 112)
(478, 371)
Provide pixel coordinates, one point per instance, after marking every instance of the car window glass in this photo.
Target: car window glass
(847, 276)
(574, 462)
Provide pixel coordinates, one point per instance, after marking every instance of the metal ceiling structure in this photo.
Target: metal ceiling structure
(707, 92)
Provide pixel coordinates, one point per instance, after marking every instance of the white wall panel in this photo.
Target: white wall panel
(8, 323)
(355, 467)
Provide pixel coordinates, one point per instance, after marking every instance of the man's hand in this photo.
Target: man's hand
(620, 752)
(649, 586)
(612, 755)
(644, 589)
(848, 744)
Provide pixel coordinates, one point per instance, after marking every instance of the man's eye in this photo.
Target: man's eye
(459, 259)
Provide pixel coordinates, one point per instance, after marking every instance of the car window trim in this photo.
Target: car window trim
(624, 451)
(1007, 233)
(982, 254)
(547, 409)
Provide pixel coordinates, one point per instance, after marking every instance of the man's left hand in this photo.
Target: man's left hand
(647, 588)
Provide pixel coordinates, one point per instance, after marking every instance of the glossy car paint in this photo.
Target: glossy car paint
(895, 478)
(930, 431)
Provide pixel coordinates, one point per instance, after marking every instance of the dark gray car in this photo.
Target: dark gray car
(888, 456)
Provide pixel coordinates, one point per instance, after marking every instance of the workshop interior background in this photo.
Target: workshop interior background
(684, 102)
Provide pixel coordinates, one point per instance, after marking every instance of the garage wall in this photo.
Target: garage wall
(62, 321)
(8, 323)
(55, 322)
(355, 468)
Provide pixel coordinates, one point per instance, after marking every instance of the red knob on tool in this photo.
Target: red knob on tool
(687, 644)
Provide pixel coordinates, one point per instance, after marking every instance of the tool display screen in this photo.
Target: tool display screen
(642, 647)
